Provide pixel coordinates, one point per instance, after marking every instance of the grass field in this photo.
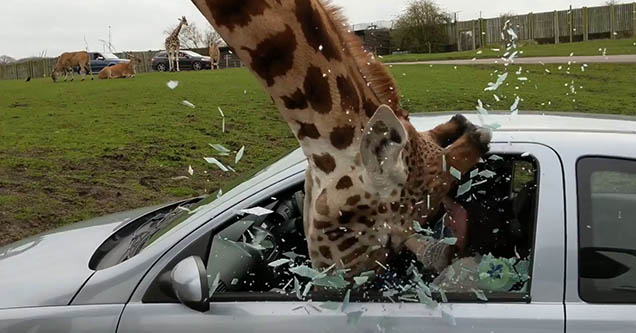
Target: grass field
(589, 48)
(71, 151)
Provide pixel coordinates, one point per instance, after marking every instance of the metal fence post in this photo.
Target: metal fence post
(474, 35)
(634, 19)
(586, 24)
(530, 26)
(482, 32)
(556, 27)
(612, 13)
(571, 23)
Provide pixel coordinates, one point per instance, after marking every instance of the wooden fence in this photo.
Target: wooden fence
(560, 26)
(43, 67)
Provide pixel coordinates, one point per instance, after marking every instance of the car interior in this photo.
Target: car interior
(501, 205)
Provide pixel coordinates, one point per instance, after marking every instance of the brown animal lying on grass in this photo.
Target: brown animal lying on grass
(67, 61)
(120, 71)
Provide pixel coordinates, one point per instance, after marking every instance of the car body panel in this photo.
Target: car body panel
(117, 283)
(556, 140)
(302, 317)
(546, 291)
(60, 255)
(57, 319)
(186, 60)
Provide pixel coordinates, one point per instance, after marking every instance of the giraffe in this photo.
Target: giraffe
(215, 55)
(173, 45)
(371, 174)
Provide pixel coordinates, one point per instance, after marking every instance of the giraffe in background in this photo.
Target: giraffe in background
(215, 55)
(173, 45)
(370, 173)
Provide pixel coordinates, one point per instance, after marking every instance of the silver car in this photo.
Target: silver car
(552, 216)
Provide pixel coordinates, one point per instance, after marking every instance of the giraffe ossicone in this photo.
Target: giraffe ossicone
(369, 168)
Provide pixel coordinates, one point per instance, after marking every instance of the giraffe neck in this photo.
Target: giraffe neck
(325, 86)
(175, 33)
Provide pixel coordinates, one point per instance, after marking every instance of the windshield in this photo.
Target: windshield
(109, 56)
(193, 54)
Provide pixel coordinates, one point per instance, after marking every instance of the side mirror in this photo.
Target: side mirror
(190, 284)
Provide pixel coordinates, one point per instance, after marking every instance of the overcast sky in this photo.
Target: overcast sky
(28, 27)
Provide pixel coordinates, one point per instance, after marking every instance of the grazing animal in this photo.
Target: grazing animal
(370, 173)
(121, 71)
(173, 45)
(215, 55)
(68, 60)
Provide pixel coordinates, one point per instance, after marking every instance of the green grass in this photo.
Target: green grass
(70, 151)
(599, 89)
(589, 48)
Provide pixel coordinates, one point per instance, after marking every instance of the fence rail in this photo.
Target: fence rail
(559, 26)
(43, 67)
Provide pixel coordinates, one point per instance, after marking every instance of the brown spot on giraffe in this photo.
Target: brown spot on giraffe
(370, 107)
(325, 162)
(353, 200)
(346, 217)
(322, 205)
(274, 56)
(355, 254)
(315, 30)
(322, 225)
(325, 251)
(336, 234)
(317, 90)
(295, 101)
(344, 183)
(349, 99)
(307, 131)
(232, 13)
(342, 137)
(347, 243)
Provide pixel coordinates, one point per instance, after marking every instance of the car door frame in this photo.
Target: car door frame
(543, 313)
(582, 316)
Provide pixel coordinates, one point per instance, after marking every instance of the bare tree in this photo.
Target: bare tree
(421, 27)
(212, 36)
(611, 2)
(190, 36)
(5, 59)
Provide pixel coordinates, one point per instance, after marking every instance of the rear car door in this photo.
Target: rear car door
(98, 62)
(536, 306)
(602, 278)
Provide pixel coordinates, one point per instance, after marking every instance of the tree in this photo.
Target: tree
(212, 36)
(5, 59)
(190, 36)
(421, 27)
(611, 3)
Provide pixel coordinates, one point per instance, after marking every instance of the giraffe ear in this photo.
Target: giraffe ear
(381, 148)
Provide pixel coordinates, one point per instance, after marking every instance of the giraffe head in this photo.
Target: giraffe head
(183, 20)
(370, 174)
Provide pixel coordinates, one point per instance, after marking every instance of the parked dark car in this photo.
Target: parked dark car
(187, 60)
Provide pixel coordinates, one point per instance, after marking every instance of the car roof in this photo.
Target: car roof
(532, 121)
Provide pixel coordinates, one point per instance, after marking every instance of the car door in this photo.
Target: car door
(601, 293)
(184, 61)
(537, 309)
(97, 62)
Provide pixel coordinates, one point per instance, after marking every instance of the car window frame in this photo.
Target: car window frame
(597, 164)
(542, 154)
